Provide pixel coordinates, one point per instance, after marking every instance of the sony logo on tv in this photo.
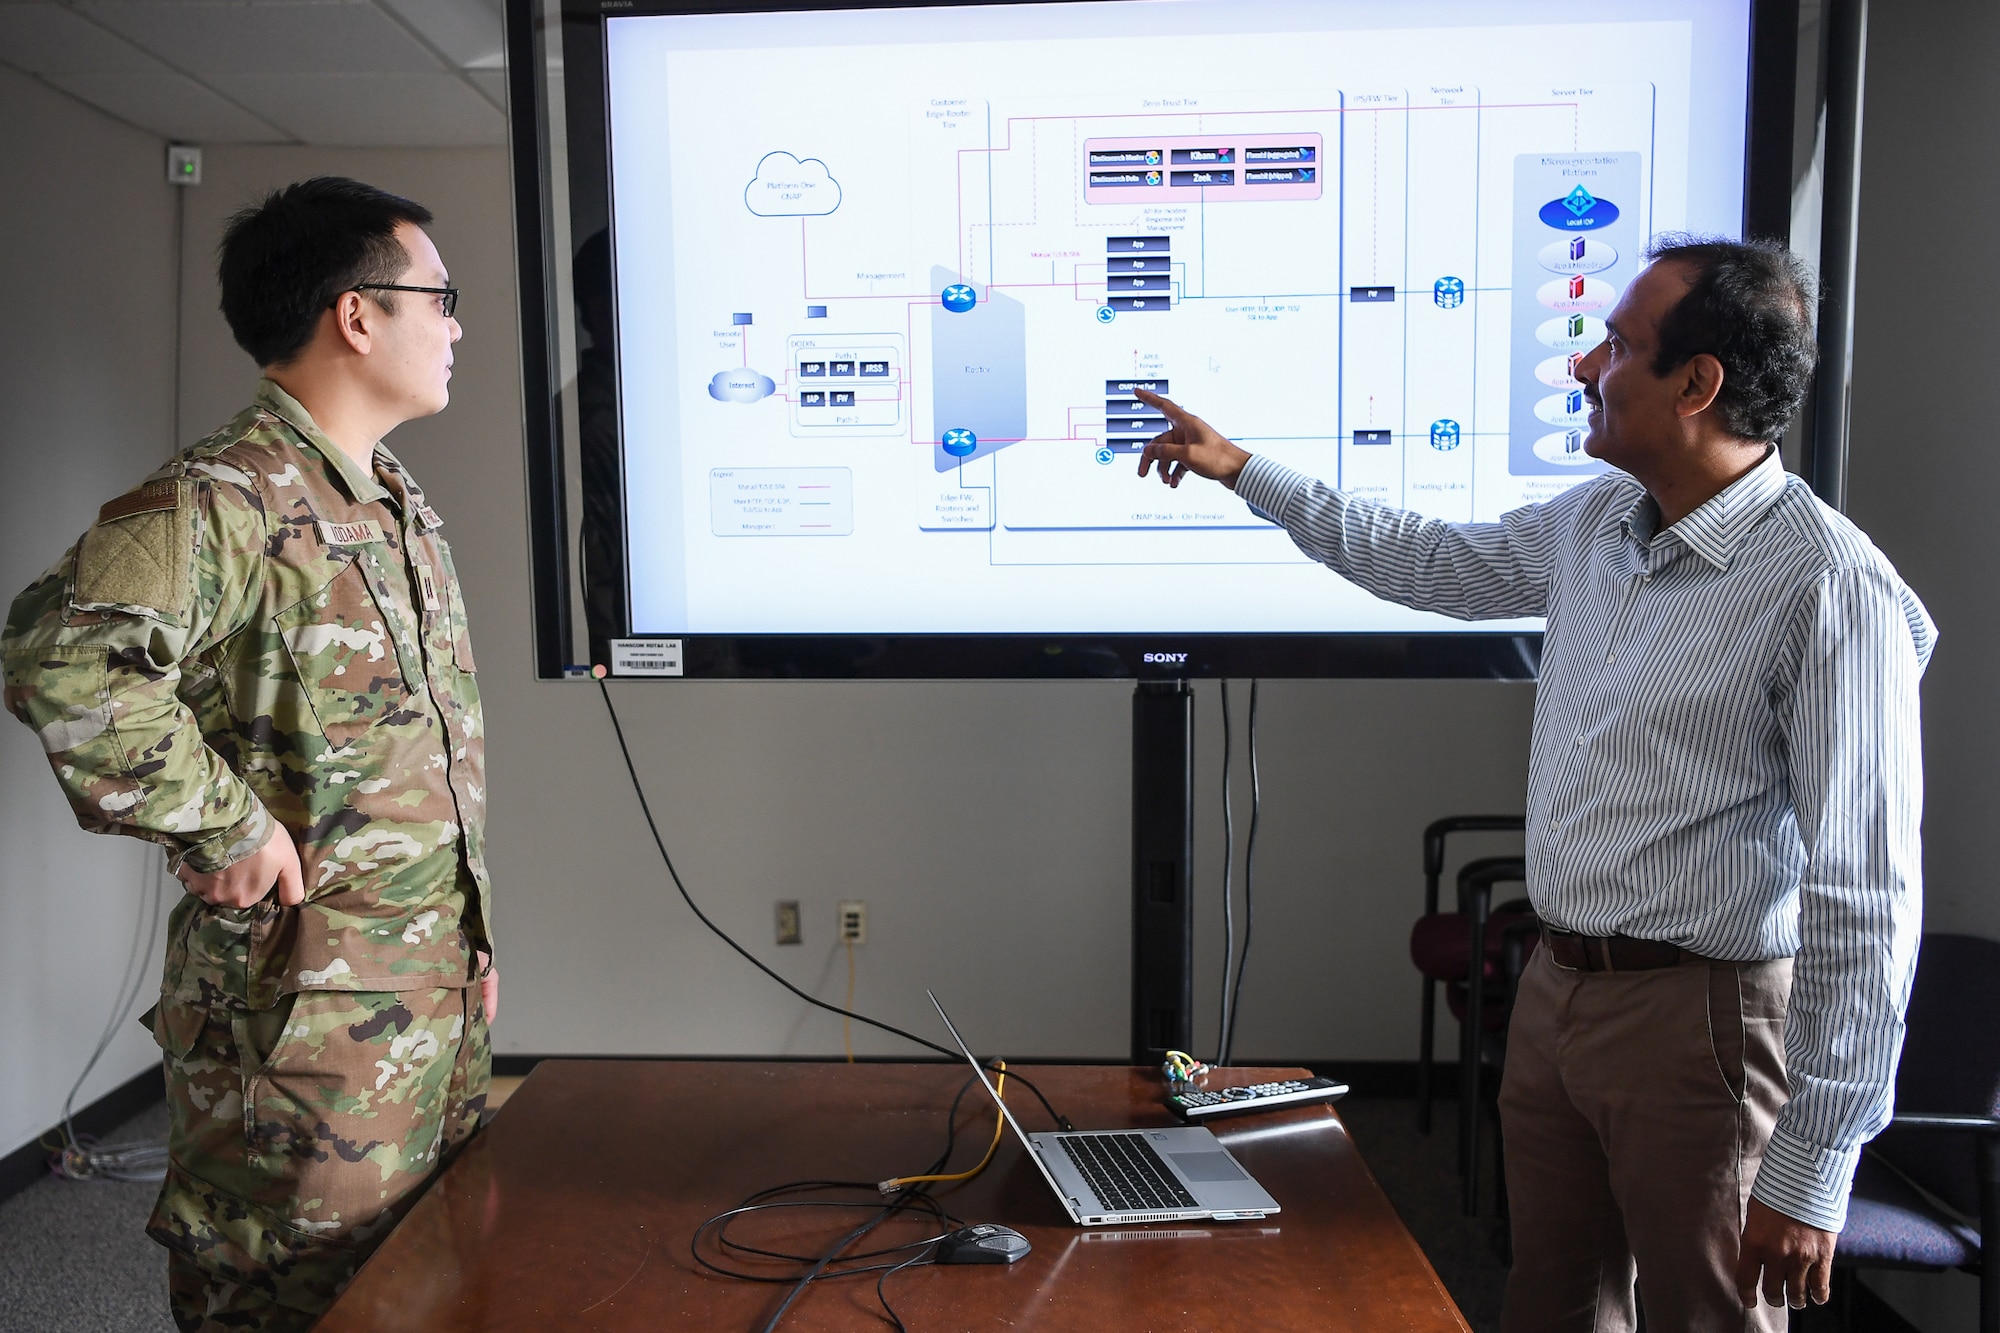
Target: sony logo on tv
(1166, 659)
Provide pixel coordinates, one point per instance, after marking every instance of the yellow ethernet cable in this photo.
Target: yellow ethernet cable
(895, 1183)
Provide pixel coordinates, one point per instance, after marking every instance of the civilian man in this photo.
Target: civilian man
(258, 658)
(1723, 801)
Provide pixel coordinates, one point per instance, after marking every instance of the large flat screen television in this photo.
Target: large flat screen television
(833, 314)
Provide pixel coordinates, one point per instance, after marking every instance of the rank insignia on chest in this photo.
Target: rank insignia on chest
(428, 517)
(359, 533)
(428, 582)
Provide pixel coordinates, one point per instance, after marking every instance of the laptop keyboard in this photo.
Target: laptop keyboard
(1125, 1171)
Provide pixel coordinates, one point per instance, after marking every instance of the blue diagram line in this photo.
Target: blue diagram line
(1472, 453)
(1340, 312)
(990, 274)
(1403, 311)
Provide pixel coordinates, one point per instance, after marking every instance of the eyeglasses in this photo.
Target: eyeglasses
(448, 295)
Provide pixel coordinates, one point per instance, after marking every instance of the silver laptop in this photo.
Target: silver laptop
(1115, 1177)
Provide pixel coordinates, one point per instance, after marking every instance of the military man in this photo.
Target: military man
(258, 658)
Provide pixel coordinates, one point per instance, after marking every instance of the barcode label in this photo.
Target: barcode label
(645, 657)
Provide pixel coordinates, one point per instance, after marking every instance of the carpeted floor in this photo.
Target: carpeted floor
(1419, 1173)
(74, 1257)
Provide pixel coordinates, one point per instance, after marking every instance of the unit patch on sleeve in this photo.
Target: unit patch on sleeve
(137, 556)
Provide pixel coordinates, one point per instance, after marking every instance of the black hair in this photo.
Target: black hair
(1752, 306)
(285, 260)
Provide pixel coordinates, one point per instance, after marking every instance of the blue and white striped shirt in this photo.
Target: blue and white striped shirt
(1726, 752)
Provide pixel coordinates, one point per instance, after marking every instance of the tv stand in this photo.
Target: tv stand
(1162, 869)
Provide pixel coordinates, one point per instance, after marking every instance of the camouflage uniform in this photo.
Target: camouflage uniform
(264, 631)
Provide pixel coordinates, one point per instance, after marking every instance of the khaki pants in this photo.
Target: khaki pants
(1636, 1107)
(298, 1136)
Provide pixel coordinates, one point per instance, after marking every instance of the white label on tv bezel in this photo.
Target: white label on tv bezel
(645, 657)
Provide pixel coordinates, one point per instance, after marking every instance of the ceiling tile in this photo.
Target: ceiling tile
(492, 82)
(171, 105)
(373, 110)
(467, 32)
(49, 39)
(213, 37)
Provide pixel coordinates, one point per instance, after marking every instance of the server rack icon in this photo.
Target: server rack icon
(1129, 422)
(1138, 274)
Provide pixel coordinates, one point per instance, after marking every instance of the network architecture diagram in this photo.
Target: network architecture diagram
(1389, 290)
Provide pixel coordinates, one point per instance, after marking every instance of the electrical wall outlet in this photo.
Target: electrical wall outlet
(789, 930)
(854, 922)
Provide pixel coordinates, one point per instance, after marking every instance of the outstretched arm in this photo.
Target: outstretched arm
(1473, 571)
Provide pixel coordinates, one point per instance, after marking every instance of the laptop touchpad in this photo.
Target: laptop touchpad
(1206, 1167)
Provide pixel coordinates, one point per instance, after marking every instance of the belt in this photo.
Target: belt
(1610, 953)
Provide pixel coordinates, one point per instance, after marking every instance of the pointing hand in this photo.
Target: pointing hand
(1189, 445)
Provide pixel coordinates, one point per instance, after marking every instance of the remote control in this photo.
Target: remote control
(1197, 1104)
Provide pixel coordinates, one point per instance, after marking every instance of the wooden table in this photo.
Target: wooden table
(574, 1209)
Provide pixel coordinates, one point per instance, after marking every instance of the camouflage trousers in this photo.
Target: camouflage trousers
(299, 1136)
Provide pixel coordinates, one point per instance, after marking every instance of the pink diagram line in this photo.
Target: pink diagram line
(805, 277)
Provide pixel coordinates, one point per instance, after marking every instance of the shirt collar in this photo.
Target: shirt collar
(360, 484)
(1717, 529)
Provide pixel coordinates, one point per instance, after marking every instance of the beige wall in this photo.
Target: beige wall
(86, 409)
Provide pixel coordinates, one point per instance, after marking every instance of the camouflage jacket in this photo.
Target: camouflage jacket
(262, 630)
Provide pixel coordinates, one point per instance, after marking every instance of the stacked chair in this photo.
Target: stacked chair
(1443, 946)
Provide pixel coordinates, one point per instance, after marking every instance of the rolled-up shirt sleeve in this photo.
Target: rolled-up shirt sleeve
(1470, 571)
(1851, 731)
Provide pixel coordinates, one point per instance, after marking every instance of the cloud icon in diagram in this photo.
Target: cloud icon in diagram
(742, 385)
(789, 187)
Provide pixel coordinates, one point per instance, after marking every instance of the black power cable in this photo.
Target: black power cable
(915, 1197)
(1249, 877)
(646, 808)
(1228, 885)
(764, 1199)
(881, 1289)
(882, 1214)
